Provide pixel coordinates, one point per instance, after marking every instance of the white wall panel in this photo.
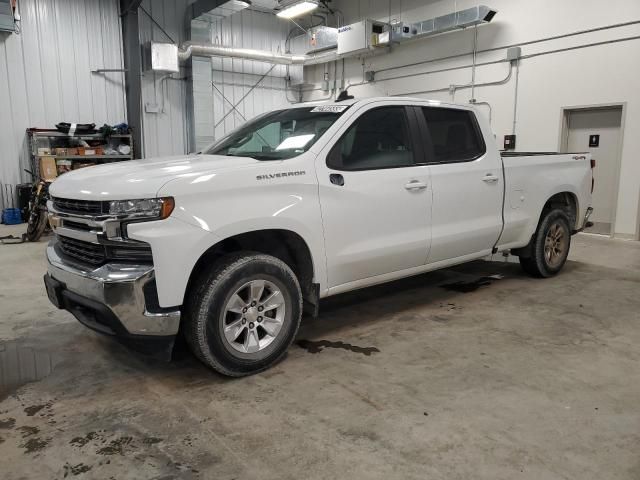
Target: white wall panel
(602, 74)
(164, 132)
(45, 73)
(234, 77)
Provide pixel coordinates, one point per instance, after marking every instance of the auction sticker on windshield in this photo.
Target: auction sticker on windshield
(330, 108)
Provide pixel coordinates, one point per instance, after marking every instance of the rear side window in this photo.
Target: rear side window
(454, 134)
(378, 139)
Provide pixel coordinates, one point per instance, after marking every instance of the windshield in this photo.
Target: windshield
(278, 135)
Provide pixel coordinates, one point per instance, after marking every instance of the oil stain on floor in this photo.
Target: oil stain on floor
(318, 346)
(472, 286)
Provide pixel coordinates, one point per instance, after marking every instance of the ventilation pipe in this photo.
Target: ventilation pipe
(208, 50)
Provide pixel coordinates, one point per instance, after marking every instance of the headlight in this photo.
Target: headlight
(157, 208)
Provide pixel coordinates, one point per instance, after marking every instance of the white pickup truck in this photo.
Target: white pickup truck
(230, 245)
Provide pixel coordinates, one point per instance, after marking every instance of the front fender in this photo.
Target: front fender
(236, 202)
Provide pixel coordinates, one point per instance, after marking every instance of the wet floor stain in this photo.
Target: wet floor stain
(82, 441)
(21, 364)
(34, 445)
(75, 469)
(7, 423)
(317, 346)
(472, 286)
(28, 431)
(116, 446)
(151, 440)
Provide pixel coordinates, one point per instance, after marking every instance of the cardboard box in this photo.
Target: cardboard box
(44, 151)
(61, 151)
(48, 169)
(72, 151)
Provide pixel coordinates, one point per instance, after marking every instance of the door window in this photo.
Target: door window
(378, 139)
(455, 135)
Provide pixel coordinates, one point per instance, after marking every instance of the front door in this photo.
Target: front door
(375, 200)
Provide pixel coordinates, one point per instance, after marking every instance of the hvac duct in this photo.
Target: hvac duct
(453, 21)
(206, 50)
(458, 20)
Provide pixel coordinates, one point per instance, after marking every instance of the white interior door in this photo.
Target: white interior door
(583, 125)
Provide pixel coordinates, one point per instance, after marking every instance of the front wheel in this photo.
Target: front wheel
(547, 252)
(243, 315)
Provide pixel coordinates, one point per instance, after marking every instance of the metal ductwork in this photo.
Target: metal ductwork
(370, 39)
(453, 21)
(207, 50)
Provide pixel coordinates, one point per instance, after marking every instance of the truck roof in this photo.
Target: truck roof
(365, 100)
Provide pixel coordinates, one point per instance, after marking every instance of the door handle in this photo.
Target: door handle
(336, 179)
(489, 178)
(415, 185)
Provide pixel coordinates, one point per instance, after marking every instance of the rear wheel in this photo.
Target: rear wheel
(244, 314)
(547, 252)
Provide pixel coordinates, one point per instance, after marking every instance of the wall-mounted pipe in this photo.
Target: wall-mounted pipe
(454, 88)
(189, 49)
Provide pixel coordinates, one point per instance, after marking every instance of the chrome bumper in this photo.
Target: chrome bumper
(120, 288)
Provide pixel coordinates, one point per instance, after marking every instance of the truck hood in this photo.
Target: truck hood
(139, 178)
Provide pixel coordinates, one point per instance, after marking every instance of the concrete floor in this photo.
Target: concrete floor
(496, 378)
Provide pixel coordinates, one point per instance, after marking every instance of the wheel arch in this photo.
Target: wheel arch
(564, 200)
(284, 244)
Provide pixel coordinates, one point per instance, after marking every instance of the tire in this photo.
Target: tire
(36, 224)
(547, 252)
(220, 309)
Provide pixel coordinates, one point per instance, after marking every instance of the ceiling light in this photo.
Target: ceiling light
(296, 9)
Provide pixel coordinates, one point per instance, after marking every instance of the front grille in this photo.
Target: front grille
(80, 207)
(87, 252)
(85, 227)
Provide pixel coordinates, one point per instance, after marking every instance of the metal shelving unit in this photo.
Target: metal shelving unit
(51, 138)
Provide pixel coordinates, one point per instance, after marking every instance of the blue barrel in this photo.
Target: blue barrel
(11, 216)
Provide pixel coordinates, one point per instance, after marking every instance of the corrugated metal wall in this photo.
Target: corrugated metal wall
(45, 73)
(164, 132)
(233, 78)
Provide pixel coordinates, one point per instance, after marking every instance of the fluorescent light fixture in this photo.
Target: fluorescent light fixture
(296, 9)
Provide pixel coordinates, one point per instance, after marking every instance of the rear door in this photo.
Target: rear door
(375, 198)
(467, 184)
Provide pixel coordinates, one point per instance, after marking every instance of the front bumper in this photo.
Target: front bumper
(115, 299)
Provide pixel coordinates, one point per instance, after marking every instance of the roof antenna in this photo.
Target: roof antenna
(344, 95)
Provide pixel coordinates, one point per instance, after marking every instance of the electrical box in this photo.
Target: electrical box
(162, 57)
(509, 142)
(513, 53)
(360, 37)
(315, 40)
(7, 23)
